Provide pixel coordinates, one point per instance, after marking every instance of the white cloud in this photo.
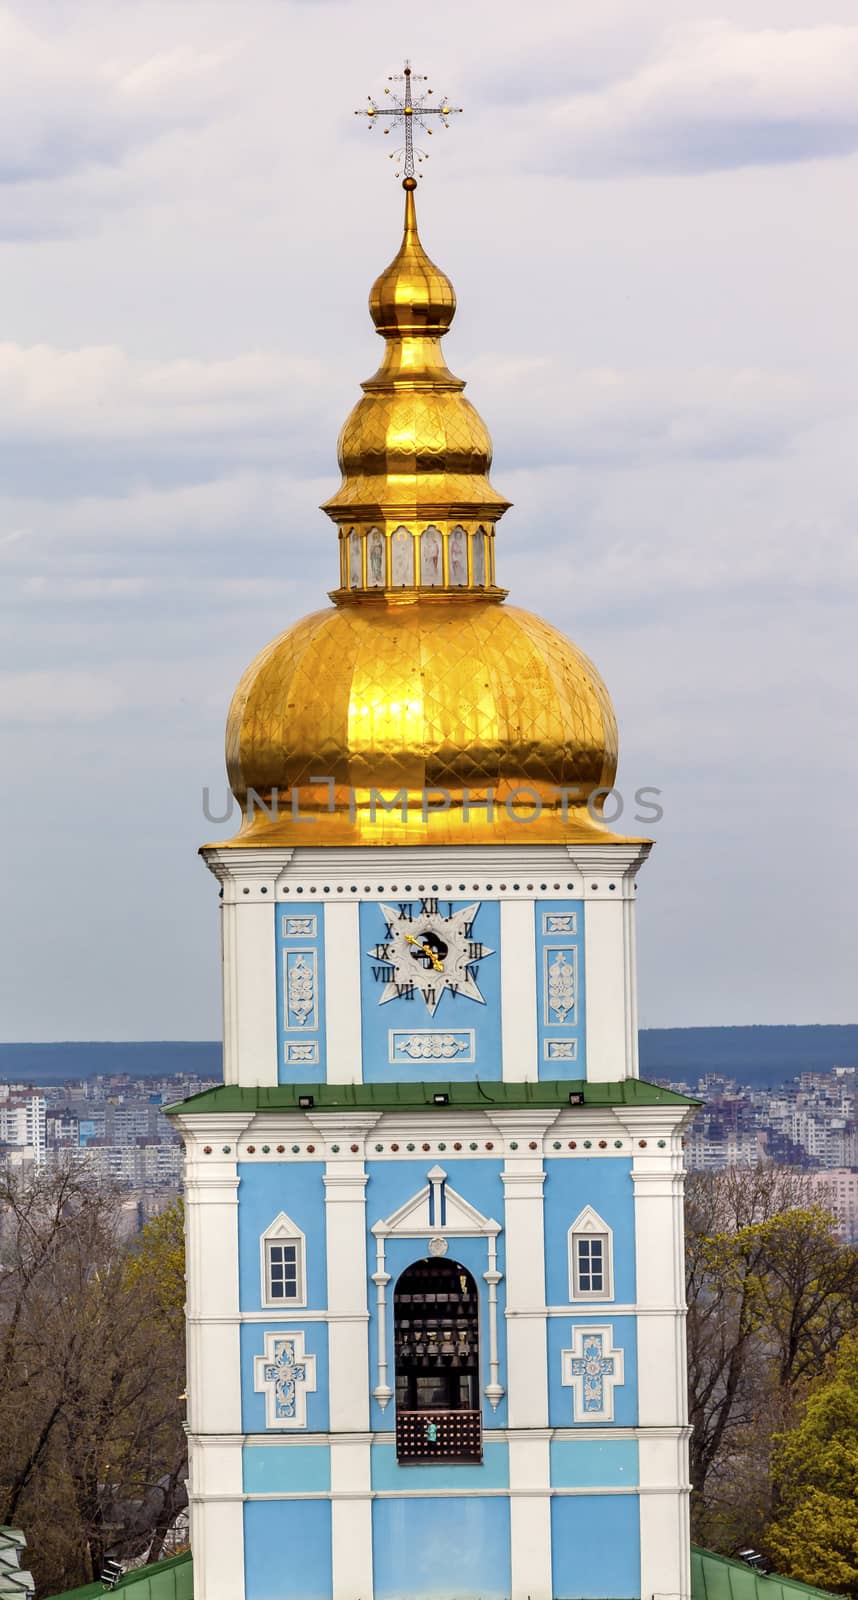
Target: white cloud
(707, 96)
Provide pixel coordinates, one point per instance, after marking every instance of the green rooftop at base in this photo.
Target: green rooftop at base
(172, 1579)
(470, 1095)
(713, 1577)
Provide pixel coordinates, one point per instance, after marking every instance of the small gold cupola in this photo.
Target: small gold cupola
(415, 510)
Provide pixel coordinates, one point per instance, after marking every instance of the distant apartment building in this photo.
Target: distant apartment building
(838, 1190)
(23, 1124)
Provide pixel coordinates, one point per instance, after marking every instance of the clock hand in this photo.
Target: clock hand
(426, 950)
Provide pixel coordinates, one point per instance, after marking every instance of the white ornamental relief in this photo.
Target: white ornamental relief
(432, 1046)
(560, 922)
(302, 988)
(561, 986)
(299, 927)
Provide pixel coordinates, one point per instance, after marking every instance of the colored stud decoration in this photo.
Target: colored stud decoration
(335, 1149)
(266, 1149)
(207, 1149)
(588, 1144)
(618, 1144)
(226, 1149)
(285, 1374)
(662, 1143)
(592, 1369)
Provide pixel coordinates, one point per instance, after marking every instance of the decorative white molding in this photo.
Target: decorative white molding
(437, 1211)
(587, 1224)
(283, 1231)
(285, 1374)
(592, 1369)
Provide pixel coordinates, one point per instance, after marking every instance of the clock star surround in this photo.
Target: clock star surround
(402, 954)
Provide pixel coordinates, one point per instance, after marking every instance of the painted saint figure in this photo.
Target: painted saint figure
(458, 557)
(430, 558)
(375, 554)
(402, 558)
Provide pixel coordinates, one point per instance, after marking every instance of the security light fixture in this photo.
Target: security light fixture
(753, 1558)
(441, 1099)
(576, 1097)
(305, 1102)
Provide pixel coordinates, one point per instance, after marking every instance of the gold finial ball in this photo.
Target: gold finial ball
(409, 183)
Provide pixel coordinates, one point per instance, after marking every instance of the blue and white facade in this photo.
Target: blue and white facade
(564, 1218)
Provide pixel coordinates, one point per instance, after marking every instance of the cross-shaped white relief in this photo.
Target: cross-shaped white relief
(285, 1375)
(592, 1369)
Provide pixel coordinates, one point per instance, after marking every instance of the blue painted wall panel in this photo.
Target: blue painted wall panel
(265, 1189)
(560, 980)
(286, 1469)
(594, 1463)
(287, 1550)
(253, 1404)
(560, 1410)
(474, 1027)
(300, 953)
(390, 1185)
(605, 1183)
(451, 1549)
(595, 1541)
(492, 1473)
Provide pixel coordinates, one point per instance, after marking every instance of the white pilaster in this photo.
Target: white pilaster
(608, 887)
(530, 1516)
(351, 1518)
(249, 884)
(606, 1000)
(217, 1517)
(664, 1514)
(342, 992)
(518, 991)
(211, 1232)
(523, 1178)
(657, 1176)
(348, 1360)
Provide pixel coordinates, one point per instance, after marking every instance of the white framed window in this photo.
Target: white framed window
(591, 1265)
(283, 1250)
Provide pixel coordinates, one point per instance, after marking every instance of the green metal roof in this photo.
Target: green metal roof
(473, 1095)
(162, 1580)
(712, 1578)
(716, 1577)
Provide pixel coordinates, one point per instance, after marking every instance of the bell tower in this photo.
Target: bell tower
(435, 1278)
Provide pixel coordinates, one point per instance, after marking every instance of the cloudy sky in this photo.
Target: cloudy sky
(649, 214)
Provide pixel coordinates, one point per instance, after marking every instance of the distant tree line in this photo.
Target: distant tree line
(93, 1454)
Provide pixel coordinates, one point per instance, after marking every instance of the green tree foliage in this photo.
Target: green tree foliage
(92, 1450)
(814, 1533)
(771, 1292)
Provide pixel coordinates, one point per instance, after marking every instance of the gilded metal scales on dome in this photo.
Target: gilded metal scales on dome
(420, 678)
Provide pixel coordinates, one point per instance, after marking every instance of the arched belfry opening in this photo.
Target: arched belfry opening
(437, 1347)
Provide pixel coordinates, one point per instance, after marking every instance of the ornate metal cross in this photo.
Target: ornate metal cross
(403, 111)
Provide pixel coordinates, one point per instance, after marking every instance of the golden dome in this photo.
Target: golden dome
(422, 701)
(419, 709)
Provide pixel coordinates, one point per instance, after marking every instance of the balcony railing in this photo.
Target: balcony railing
(439, 1436)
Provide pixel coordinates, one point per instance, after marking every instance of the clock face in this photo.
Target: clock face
(428, 949)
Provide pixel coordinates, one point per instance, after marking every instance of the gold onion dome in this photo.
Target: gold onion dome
(419, 708)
